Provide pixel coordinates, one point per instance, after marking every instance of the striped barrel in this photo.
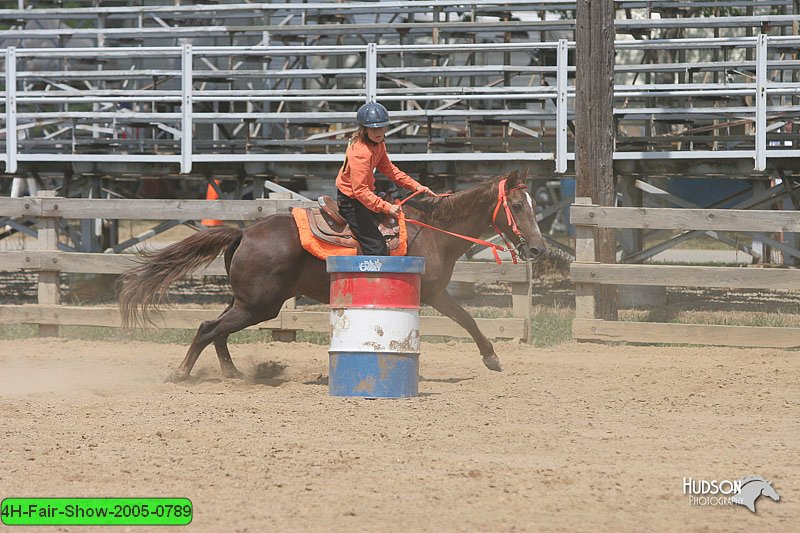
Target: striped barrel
(374, 349)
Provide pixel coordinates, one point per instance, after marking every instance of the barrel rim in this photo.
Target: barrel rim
(376, 264)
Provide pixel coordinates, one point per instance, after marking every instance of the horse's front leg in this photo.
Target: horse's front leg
(444, 303)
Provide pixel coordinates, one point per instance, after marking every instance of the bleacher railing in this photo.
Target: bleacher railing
(190, 104)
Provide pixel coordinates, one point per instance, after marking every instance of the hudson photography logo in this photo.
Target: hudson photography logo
(743, 491)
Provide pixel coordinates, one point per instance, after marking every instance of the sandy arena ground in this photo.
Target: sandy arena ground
(573, 438)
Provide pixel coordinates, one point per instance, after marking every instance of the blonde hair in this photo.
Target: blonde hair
(359, 135)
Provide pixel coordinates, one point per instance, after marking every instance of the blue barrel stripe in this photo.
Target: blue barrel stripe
(373, 375)
(376, 263)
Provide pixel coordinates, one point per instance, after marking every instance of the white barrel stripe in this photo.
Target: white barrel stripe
(375, 330)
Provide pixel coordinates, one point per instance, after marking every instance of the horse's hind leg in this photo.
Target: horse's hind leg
(229, 370)
(230, 321)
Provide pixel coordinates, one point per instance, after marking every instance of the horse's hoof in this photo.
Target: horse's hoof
(233, 374)
(492, 362)
(176, 377)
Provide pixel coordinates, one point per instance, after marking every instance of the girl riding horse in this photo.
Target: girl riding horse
(358, 203)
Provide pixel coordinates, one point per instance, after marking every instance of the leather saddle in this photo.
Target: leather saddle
(328, 225)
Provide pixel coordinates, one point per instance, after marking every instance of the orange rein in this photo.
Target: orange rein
(502, 199)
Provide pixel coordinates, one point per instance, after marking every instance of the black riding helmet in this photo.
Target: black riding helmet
(372, 115)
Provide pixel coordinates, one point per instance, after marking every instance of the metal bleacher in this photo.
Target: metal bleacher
(267, 91)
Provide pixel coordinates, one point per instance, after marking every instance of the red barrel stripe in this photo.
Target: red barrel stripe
(372, 289)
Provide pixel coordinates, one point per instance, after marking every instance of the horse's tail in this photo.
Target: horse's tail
(144, 287)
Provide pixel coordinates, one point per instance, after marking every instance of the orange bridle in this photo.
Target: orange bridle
(502, 201)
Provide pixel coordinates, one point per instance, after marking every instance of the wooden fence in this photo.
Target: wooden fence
(49, 262)
(587, 274)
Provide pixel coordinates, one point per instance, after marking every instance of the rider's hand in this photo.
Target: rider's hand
(395, 210)
(426, 190)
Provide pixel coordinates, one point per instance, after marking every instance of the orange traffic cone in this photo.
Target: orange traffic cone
(211, 194)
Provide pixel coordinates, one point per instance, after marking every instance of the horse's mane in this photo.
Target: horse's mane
(457, 206)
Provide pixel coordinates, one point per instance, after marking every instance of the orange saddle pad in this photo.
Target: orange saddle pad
(322, 238)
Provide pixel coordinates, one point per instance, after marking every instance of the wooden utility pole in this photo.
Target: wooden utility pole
(594, 125)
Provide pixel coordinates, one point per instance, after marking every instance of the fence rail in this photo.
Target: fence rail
(587, 274)
(49, 263)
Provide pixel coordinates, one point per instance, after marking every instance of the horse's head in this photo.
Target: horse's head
(515, 216)
(768, 490)
(751, 488)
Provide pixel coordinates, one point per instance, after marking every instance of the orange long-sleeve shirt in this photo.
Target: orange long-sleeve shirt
(356, 178)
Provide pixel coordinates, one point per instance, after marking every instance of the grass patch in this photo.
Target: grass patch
(97, 333)
(729, 318)
(158, 336)
(17, 331)
(551, 326)
(314, 337)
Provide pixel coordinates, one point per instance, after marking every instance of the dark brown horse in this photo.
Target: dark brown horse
(266, 264)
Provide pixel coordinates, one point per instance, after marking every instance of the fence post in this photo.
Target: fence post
(371, 68)
(11, 110)
(761, 103)
(48, 287)
(521, 298)
(584, 253)
(561, 106)
(186, 108)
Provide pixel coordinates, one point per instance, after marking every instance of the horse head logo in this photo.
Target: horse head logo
(752, 488)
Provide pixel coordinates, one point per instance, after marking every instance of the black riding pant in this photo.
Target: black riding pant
(364, 225)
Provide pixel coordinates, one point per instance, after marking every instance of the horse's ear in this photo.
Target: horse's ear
(512, 177)
(524, 174)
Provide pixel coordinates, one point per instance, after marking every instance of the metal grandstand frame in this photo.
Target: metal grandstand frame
(552, 102)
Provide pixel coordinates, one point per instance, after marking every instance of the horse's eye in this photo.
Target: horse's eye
(516, 207)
